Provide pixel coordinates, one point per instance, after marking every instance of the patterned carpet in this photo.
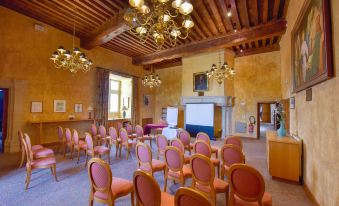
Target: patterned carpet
(73, 186)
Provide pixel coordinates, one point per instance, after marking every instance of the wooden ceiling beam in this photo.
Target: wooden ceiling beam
(264, 11)
(212, 7)
(271, 29)
(243, 13)
(105, 33)
(287, 2)
(253, 12)
(200, 8)
(276, 7)
(223, 12)
(247, 52)
(235, 15)
(168, 64)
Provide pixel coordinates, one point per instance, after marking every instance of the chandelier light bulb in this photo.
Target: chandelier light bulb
(61, 49)
(163, 1)
(229, 13)
(186, 8)
(176, 4)
(136, 3)
(144, 9)
(188, 23)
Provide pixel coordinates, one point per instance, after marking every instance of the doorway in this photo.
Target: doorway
(3, 117)
(266, 118)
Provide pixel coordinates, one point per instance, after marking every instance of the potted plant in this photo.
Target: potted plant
(280, 114)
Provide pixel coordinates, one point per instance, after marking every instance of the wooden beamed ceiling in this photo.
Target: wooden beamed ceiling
(100, 23)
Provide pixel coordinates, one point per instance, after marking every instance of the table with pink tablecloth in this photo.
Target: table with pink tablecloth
(148, 127)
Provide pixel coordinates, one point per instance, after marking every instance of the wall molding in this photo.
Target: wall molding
(310, 195)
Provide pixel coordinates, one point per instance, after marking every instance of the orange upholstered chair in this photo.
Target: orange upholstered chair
(203, 148)
(148, 192)
(204, 179)
(230, 154)
(145, 161)
(206, 138)
(185, 138)
(126, 142)
(186, 196)
(105, 189)
(95, 150)
(234, 140)
(139, 132)
(22, 148)
(162, 143)
(34, 163)
(247, 187)
(175, 168)
(178, 144)
(79, 145)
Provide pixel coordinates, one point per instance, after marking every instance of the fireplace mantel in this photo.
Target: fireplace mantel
(223, 101)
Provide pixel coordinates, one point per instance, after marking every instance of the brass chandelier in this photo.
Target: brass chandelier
(151, 80)
(163, 21)
(74, 61)
(221, 72)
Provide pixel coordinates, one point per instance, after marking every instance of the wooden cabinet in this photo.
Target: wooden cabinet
(284, 157)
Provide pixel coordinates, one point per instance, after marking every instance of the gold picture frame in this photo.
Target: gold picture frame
(200, 82)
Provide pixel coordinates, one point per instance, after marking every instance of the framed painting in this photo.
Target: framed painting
(147, 100)
(59, 105)
(312, 45)
(200, 82)
(36, 107)
(77, 108)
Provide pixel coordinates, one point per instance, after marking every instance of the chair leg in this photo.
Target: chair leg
(65, 149)
(132, 197)
(28, 177)
(78, 155)
(86, 159)
(54, 171)
(165, 184)
(109, 158)
(22, 158)
(218, 168)
(128, 151)
(222, 172)
(120, 150)
(150, 142)
(91, 199)
(116, 150)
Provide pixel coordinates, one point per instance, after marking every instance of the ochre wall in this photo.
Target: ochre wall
(26, 69)
(169, 92)
(257, 79)
(316, 122)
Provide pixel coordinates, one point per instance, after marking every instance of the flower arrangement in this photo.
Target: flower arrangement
(279, 109)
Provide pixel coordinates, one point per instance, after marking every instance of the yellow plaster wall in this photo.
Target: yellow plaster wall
(25, 68)
(257, 80)
(316, 122)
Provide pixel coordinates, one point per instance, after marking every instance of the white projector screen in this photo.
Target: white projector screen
(172, 116)
(200, 114)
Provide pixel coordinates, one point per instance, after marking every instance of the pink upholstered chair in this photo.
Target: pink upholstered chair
(114, 139)
(206, 138)
(204, 179)
(38, 152)
(175, 168)
(203, 148)
(119, 126)
(185, 138)
(145, 161)
(95, 135)
(162, 143)
(186, 196)
(95, 150)
(22, 148)
(148, 192)
(69, 142)
(61, 138)
(126, 142)
(230, 154)
(129, 130)
(78, 144)
(235, 140)
(105, 189)
(139, 131)
(178, 144)
(35, 163)
(102, 136)
(247, 187)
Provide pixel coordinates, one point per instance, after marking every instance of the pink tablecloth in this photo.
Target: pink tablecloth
(149, 127)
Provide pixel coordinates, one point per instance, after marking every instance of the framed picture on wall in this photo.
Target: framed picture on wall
(36, 107)
(147, 99)
(59, 105)
(77, 108)
(312, 45)
(200, 82)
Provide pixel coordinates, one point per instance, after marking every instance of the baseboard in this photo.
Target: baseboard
(310, 195)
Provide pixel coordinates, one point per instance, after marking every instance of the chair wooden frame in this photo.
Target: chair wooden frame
(22, 148)
(233, 191)
(238, 139)
(209, 142)
(110, 200)
(70, 144)
(222, 169)
(187, 147)
(61, 138)
(159, 151)
(182, 178)
(115, 140)
(143, 137)
(154, 183)
(76, 145)
(147, 164)
(210, 152)
(29, 167)
(102, 138)
(93, 152)
(125, 143)
(182, 149)
(187, 191)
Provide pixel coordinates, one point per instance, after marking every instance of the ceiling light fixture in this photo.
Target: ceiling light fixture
(74, 61)
(162, 20)
(221, 72)
(151, 79)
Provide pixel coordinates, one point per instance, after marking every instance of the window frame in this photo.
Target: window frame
(118, 92)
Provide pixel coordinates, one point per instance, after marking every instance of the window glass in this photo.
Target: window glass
(114, 103)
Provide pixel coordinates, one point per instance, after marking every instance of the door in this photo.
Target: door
(3, 117)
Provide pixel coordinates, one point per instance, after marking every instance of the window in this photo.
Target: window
(114, 96)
